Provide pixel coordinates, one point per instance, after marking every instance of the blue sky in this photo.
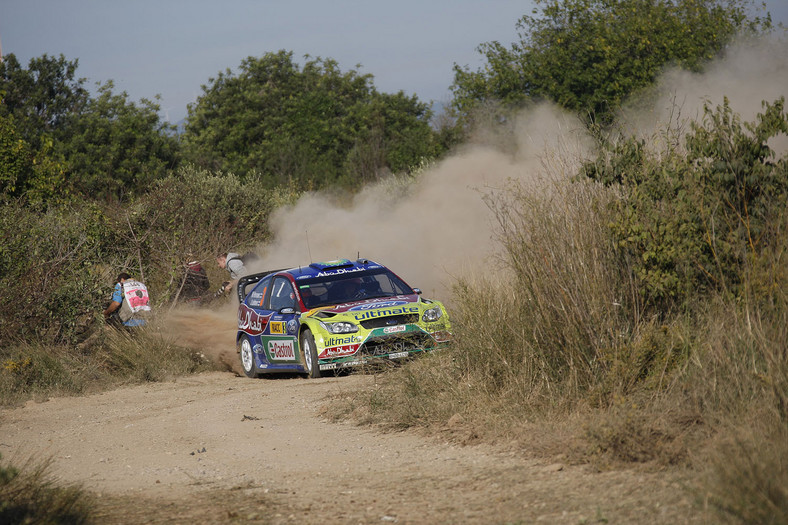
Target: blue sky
(172, 47)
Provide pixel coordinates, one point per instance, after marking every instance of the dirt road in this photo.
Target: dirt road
(216, 448)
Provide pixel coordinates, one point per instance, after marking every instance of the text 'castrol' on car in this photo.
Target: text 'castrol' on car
(333, 315)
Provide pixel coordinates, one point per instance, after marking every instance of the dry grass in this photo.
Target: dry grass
(558, 340)
(28, 494)
(112, 357)
(747, 479)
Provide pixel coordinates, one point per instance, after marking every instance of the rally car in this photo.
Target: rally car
(333, 315)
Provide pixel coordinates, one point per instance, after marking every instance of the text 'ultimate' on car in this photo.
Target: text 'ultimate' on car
(333, 315)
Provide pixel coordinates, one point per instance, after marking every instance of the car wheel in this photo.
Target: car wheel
(309, 354)
(247, 357)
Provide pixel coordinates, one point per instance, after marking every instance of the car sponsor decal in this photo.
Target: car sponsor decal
(292, 326)
(281, 350)
(374, 314)
(384, 304)
(394, 329)
(250, 321)
(340, 271)
(337, 341)
(277, 327)
(333, 366)
(339, 351)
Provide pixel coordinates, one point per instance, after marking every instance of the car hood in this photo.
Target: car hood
(360, 310)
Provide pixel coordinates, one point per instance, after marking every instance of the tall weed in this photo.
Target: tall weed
(29, 494)
(112, 357)
(537, 337)
(145, 355)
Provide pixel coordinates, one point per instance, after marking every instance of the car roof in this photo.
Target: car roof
(336, 267)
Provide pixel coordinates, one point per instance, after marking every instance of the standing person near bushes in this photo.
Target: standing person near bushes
(129, 304)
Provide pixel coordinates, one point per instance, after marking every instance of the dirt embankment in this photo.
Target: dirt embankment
(216, 448)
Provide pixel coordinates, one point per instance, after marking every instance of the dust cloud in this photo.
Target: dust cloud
(751, 72)
(438, 228)
(428, 232)
(212, 331)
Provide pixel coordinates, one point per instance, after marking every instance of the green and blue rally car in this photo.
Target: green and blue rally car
(333, 315)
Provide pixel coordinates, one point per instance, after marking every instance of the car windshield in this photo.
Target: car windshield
(351, 286)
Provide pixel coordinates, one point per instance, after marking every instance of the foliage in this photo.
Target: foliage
(536, 339)
(309, 126)
(742, 379)
(29, 494)
(50, 271)
(111, 357)
(36, 177)
(572, 328)
(589, 55)
(147, 356)
(191, 215)
(16, 160)
(698, 220)
(42, 97)
(99, 146)
(115, 147)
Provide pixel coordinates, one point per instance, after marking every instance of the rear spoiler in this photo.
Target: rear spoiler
(248, 280)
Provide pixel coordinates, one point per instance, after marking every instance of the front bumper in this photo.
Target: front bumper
(388, 344)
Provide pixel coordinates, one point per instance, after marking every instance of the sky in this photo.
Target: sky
(173, 47)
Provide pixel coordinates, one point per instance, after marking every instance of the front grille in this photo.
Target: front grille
(381, 346)
(392, 320)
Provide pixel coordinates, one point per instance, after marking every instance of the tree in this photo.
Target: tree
(308, 126)
(102, 145)
(41, 97)
(36, 177)
(115, 147)
(589, 55)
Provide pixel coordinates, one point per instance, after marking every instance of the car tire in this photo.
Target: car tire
(309, 354)
(246, 353)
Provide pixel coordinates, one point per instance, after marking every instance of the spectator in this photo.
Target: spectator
(233, 263)
(195, 282)
(129, 304)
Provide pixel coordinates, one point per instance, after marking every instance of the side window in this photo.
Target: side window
(258, 294)
(282, 294)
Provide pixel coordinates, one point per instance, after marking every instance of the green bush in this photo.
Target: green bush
(51, 273)
(192, 215)
(697, 218)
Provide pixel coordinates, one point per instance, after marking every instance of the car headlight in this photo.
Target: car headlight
(432, 315)
(341, 327)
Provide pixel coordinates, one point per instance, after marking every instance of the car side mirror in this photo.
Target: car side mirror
(287, 310)
(417, 290)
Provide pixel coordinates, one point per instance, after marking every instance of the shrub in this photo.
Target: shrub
(193, 215)
(696, 217)
(30, 495)
(50, 271)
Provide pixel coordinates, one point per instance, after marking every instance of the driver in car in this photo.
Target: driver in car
(348, 290)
